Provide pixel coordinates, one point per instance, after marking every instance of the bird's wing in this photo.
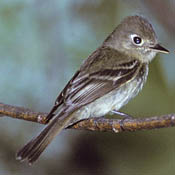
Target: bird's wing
(83, 89)
(87, 89)
(60, 99)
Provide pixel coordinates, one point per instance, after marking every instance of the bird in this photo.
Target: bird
(106, 81)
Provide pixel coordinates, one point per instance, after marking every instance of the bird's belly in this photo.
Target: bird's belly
(113, 100)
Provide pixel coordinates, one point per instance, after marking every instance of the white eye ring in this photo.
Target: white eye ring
(137, 40)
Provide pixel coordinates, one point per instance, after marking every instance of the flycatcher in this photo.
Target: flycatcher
(112, 75)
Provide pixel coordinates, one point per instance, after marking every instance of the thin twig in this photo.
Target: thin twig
(94, 124)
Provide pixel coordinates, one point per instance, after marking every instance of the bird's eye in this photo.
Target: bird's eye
(137, 40)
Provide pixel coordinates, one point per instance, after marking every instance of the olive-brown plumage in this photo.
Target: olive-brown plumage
(106, 81)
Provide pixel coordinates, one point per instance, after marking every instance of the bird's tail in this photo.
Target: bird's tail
(32, 150)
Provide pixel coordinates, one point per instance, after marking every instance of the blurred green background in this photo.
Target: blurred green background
(42, 43)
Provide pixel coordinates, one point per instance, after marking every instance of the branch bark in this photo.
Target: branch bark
(94, 124)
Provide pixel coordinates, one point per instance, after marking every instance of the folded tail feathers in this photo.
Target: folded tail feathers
(32, 150)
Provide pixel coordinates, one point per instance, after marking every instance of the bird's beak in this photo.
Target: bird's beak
(159, 48)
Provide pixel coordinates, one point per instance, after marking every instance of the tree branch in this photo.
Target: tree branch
(94, 124)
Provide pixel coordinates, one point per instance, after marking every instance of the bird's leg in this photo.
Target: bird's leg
(124, 115)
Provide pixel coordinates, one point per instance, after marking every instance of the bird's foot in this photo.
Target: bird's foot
(124, 118)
